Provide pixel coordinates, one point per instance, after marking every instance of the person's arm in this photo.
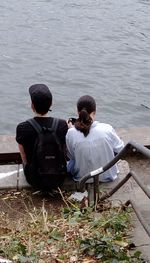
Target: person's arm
(69, 144)
(22, 153)
(116, 142)
(70, 153)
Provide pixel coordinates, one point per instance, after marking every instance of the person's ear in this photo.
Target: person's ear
(32, 107)
(50, 108)
(93, 114)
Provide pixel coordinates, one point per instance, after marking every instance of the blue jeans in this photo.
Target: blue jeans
(70, 166)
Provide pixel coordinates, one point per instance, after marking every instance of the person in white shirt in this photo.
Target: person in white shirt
(91, 144)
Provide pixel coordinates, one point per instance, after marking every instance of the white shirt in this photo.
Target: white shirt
(93, 151)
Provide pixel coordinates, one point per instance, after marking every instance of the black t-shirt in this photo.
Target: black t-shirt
(26, 134)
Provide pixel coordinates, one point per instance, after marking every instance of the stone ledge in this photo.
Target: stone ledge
(140, 135)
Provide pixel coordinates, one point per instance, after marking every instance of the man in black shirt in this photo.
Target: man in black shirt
(41, 102)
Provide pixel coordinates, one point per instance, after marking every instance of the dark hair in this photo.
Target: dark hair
(42, 107)
(85, 106)
(41, 98)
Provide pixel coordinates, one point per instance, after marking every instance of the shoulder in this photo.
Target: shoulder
(62, 122)
(102, 126)
(73, 136)
(72, 131)
(24, 126)
(62, 125)
(102, 130)
(24, 130)
(62, 129)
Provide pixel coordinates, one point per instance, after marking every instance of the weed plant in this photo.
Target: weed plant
(76, 235)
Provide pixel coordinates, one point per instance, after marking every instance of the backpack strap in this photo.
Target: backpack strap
(35, 125)
(38, 128)
(55, 124)
(54, 129)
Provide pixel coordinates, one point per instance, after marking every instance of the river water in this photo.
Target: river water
(76, 47)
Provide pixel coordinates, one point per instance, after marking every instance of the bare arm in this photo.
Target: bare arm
(22, 153)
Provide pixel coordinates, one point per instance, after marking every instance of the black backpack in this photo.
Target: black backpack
(48, 167)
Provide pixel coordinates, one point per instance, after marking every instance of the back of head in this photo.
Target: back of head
(85, 106)
(41, 98)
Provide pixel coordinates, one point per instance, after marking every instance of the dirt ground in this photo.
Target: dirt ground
(17, 204)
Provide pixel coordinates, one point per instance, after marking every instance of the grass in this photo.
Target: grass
(76, 233)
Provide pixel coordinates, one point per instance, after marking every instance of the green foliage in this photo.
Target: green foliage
(104, 249)
(74, 235)
(14, 247)
(56, 235)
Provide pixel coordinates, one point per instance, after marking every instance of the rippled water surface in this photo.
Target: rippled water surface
(77, 47)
